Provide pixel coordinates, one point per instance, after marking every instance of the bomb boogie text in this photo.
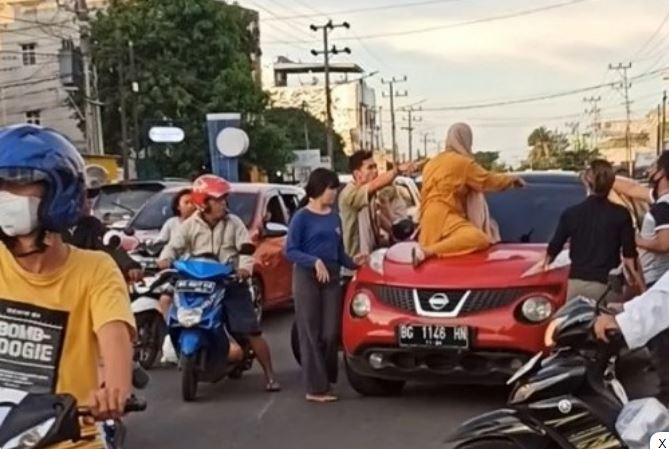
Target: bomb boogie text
(26, 341)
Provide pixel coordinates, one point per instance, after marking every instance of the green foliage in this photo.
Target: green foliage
(490, 161)
(552, 150)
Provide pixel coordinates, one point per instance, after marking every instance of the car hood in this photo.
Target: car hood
(500, 266)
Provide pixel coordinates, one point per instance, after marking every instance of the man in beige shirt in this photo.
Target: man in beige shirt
(354, 200)
(212, 230)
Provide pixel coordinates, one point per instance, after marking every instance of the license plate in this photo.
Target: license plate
(432, 336)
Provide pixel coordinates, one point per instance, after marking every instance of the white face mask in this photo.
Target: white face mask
(18, 214)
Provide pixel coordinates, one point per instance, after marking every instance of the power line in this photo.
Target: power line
(652, 37)
(62, 24)
(362, 10)
(521, 13)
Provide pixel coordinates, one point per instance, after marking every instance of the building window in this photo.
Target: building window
(67, 44)
(28, 52)
(33, 117)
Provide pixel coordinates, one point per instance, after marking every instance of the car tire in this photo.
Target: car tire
(492, 443)
(372, 386)
(295, 343)
(188, 377)
(258, 296)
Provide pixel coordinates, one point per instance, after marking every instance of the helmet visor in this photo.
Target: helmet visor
(22, 175)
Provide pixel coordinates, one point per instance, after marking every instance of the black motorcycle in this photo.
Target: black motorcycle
(567, 399)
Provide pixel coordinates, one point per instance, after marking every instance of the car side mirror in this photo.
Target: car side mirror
(275, 230)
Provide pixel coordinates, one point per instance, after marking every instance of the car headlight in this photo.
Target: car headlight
(537, 309)
(31, 437)
(376, 260)
(549, 336)
(189, 317)
(361, 305)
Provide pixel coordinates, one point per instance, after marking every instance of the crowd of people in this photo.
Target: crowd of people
(77, 292)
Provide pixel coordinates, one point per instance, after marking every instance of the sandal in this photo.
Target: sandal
(273, 386)
(321, 398)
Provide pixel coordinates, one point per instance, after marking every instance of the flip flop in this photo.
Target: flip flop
(273, 386)
(321, 398)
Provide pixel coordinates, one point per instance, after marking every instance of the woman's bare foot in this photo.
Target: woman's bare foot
(322, 398)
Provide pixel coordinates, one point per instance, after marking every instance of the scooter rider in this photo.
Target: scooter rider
(75, 299)
(215, 231)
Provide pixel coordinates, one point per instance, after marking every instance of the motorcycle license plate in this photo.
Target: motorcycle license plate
(526, 368)
(195, 286)
(433, 336)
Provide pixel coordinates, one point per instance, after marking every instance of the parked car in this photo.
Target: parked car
(265, 209)
(472, 319)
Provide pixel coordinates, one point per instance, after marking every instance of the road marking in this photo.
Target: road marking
(266, 408)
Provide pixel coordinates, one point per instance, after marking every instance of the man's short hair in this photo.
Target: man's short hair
(357, 159)
(601, 177)
(663, 162)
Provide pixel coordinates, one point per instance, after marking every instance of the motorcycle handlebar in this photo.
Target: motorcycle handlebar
(132, 405)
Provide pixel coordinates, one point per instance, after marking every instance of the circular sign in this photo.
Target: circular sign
(232, 142)
(166, 134)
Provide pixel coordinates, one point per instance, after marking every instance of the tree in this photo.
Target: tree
(490, 160)
(192, 57)
(551, 150)
(294, 121)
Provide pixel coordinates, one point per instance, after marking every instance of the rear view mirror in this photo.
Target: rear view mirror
(274, 230)
(129, 231)
(247, 249)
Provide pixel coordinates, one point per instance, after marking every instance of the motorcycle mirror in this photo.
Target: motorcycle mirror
(129, 231)
(114, 242)
(247, 249)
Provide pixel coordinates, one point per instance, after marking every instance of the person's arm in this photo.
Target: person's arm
(644, 317)
(387, 178)
(114, 327)
(660, 244)
(482, 180)
(629, 251)
(293, 250)
(245, 262)
(175, 247)
(559, 238)
(631, 189)
(166, 231)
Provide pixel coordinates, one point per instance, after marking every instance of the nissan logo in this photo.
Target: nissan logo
(439, 301)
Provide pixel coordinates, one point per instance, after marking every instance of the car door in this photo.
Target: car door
(276, 271)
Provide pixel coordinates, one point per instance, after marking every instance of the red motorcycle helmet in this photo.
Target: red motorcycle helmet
(209, 186)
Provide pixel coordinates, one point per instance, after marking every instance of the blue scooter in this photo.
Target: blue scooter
(197, 323)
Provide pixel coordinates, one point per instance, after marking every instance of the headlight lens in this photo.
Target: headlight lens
(361, 305)
(537, 309)
(31, 437)
(376, 260)
(189, 317)
(549, 336)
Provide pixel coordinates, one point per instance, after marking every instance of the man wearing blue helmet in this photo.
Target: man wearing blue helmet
(61, 308)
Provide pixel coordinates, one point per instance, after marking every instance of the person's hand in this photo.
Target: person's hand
(604, 323)
(164, 264)
(406, 167)
(546, 265)
(518, 182)
(136, 274)
(322, 273)
(360, 259)
(107, 403)
(243, 273)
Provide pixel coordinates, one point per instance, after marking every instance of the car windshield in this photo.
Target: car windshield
(159, 208)
(116, 202)
(531, 214)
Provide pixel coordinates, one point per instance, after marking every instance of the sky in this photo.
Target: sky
(475, 52)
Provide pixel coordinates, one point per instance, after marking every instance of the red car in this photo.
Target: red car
(266, 210)
(470, 319)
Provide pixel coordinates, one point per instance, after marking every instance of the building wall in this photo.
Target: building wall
(30, 86)
(643, 132)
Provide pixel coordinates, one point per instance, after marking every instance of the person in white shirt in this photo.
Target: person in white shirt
(182, 209)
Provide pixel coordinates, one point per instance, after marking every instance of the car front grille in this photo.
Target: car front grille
(480, 300)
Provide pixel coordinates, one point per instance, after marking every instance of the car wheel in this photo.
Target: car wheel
(493, 443)
(188, 378)
(258, 296)
(372, 386)
(295, 343)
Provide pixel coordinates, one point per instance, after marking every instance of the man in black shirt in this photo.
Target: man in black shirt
(599, 231)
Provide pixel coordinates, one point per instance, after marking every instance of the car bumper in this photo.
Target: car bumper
(437, 365)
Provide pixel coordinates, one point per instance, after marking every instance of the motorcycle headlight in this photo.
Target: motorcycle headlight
(537, 309)
(361, 305)
(376, 260)
(549, 336)
(31, 437)
(189, 317)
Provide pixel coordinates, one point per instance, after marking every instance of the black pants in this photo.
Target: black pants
(659, 350)
(318, 316)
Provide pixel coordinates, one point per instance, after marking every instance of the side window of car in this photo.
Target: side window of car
(291, 201)
(274, 212)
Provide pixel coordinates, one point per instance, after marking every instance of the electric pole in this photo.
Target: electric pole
(594, 111)
(622, 69)
(664, 121)
(124, 124)
(575, 132)
(411, 120)
(135, 95)
(326, 52)
(426, 139)
(392, 94)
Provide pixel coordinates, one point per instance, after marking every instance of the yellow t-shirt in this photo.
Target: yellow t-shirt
(48, 323)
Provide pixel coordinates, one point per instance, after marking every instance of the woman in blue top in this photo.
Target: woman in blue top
(316, 248)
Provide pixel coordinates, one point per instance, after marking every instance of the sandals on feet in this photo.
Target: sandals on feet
(322, 398)
(273, 386)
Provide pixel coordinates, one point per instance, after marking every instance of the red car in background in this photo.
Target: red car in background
(265, 209)
(472, 319)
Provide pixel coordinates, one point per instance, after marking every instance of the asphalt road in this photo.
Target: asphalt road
(239, 414)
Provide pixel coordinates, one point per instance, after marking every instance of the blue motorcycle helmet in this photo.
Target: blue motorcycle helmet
(31, 153)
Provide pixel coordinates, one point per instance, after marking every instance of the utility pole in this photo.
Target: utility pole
(392, 94)
(594, 111)
(622, 69)
(306, 128)
(574, 128)
(658, 147)
(135, 97)
(664, 120)
(326, 52)
(124, 125)
(411, 120)
(426, 140)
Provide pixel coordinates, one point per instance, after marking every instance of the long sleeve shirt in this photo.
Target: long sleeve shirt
(195, 236)
(313, 236)
(647, 315)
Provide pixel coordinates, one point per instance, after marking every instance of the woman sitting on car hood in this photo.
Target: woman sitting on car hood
(454, 218)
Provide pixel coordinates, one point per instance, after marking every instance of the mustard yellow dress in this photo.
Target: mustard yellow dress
(447, 179)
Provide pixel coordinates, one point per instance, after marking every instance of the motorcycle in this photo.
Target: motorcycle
(38, 421)
(567, 399)
(197, 323)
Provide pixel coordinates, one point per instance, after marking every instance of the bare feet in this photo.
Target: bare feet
(322, 398)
